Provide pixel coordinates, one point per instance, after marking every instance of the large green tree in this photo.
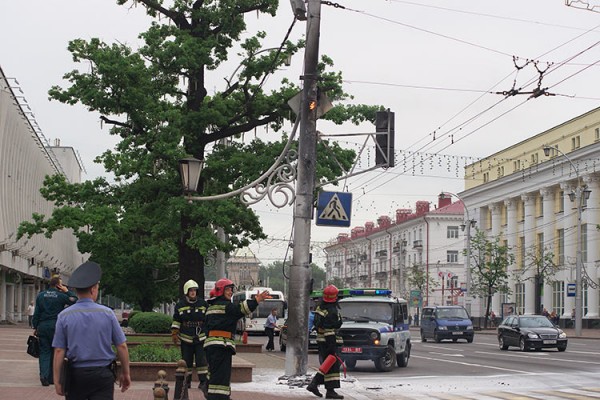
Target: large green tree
(489, 268)
(156, 101)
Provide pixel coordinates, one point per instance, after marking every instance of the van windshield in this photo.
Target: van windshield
(452, 313)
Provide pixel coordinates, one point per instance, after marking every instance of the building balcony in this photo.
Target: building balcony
(363, 277)
(380, 275)
(417, 244)
(381, 253)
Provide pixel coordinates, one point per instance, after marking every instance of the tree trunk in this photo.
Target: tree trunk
(191, 262)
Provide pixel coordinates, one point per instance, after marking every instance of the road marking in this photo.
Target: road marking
(535, 355)
(565, 395)
(446, 354)
(473, 365)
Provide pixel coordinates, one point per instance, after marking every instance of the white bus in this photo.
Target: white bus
(256, 322)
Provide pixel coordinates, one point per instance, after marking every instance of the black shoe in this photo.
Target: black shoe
(44, 382)
(332, 394)
(314, 389)
(203, 386)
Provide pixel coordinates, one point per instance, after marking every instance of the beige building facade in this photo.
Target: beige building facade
(524, 197)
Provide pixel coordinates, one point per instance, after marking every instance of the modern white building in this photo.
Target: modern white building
(25, 159)
(381, 255)
(523, 196)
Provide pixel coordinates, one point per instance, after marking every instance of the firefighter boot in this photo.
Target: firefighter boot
(313, 386)
(332, 394)
(203, 386)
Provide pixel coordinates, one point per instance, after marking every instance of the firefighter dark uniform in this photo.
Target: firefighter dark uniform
(188, 321)
(327, 321)
(220, 324)
(48, 305)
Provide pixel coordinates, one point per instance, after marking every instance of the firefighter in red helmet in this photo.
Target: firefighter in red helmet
(221, 320)
(327, 321)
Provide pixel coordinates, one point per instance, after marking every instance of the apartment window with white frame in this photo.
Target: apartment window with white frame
(520, 298)
(452, 232)
(534, 158)
(558, 297)
(597, 134)
(486, 177)
(452, 256)
(584, 244)
(575, 142)
(560, 237)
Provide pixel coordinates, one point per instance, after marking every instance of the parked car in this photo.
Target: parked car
(446, 322)
(312, 338)
(530, 332)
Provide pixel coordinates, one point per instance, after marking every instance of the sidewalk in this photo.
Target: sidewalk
(19, 376)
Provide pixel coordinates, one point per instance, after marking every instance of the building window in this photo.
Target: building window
(516, 165)
(560, 237)
(561, 201)
(534, 158)
(452, 256)
(500, 171)
(522, 252)
(558, 296)
(486, 177)
(540, 245)
(520, 298)
(540, 206)
(575, 142)
(584, 245)
(597, 134)
(452, 232)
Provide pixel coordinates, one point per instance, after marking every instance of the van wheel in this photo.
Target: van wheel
(402, 358)
(386, 363)
(350, 364)
(436, 338)
(423, 338)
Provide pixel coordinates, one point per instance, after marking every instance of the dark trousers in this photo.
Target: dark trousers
(191, 351)
(331, 379)
(219, 367)
(45, 332)
(96, 383)
(29, 319)
(270, 333)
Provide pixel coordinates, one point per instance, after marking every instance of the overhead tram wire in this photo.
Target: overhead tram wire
(531, 81)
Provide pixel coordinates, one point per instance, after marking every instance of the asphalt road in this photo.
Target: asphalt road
(481, 365)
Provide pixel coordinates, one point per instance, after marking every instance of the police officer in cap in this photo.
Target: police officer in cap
(84, 335)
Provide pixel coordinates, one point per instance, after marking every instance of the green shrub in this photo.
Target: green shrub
(150, 322)
(154, 353)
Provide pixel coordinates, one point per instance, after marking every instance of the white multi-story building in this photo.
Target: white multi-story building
(25, 160)
(523, 196)
(381, 255)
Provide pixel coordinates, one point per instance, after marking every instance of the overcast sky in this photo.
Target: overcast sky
(434, 63)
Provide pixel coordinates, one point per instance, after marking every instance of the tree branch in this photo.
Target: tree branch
(177, 18)
(117, 123)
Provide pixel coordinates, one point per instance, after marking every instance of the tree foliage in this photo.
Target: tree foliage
(418, 279)
(164, 102)
(489, 268)
(275, 275)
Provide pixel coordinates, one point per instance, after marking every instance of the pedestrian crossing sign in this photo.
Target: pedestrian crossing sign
(334, 209)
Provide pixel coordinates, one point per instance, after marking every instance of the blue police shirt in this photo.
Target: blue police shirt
(87, 330)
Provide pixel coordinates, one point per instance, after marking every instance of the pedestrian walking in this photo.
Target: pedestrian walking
(270, 326)
(30, 312)
(221, 320)
(48, 304)
(327, 321)
(188, 321)
(85, 334)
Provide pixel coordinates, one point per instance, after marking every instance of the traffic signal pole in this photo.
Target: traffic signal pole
(296, 359)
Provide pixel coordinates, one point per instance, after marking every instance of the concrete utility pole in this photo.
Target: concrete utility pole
(296, 358)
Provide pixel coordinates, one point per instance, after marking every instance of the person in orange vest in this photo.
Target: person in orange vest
(220, 324)
(327, 321)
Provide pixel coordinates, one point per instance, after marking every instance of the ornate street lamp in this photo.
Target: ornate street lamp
(190, 169)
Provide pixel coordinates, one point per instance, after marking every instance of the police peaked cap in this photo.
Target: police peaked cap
(85, 276)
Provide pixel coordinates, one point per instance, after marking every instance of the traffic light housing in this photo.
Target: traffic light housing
(384, 136)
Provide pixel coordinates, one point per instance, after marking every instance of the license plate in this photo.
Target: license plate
(549, 341)
(457, 333)
(351, 350)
